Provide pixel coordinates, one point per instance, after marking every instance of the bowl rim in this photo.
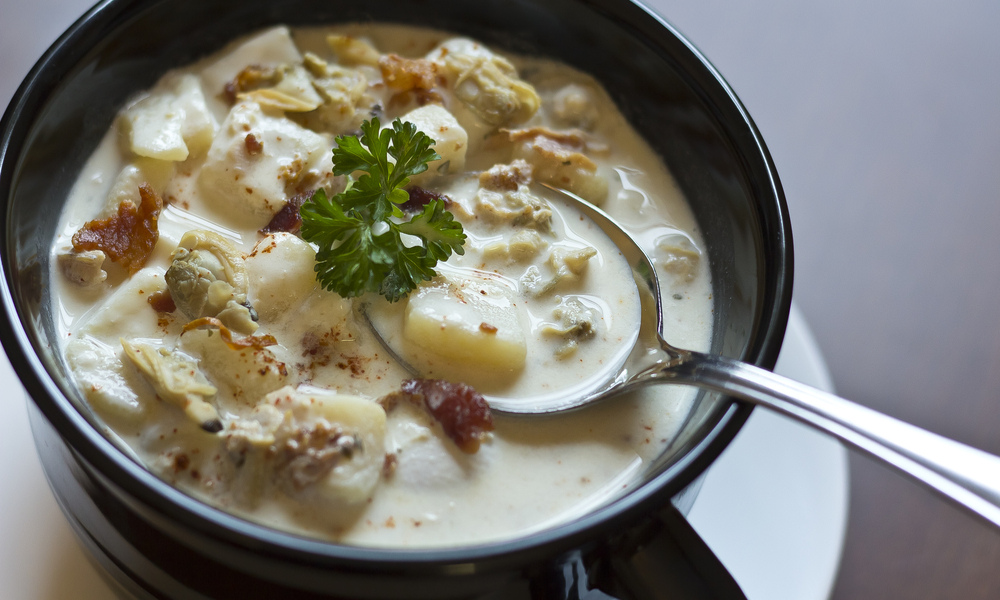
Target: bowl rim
(128, 477)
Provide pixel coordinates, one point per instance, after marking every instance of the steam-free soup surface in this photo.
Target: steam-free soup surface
(311, 434)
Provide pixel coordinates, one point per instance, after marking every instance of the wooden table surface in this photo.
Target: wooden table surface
(883, 117)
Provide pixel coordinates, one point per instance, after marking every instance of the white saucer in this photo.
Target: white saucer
(783, 539)
(773, 507)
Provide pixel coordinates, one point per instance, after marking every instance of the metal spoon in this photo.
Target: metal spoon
(968, 476)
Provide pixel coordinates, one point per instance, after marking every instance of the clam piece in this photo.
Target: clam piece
(176, 379)
(208, 278)
(575, 322)
(330, 447)
(485, 82)
(566, 265)
(83, 268)
(294, 91)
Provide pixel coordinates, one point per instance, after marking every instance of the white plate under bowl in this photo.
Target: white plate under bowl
(772, 507)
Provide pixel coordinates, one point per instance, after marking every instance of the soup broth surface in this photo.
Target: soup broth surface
(308, 434)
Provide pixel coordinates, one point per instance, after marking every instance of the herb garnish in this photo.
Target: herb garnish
(358, 231)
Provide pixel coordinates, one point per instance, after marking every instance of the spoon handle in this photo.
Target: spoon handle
(964, 474)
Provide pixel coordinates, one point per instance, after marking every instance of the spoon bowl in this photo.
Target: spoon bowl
(965, 475)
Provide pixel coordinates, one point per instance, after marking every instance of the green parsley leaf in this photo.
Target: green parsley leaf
(353, 259)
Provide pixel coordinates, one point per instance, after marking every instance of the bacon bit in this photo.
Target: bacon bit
(405, 74)
(162, 301)
(288, 218)
(506, 178)
(181, 462)
(254, 145)
(127, 238)
(252, 77)
(462, 412)
(419, 198)
(389, 464)
(257, 342)
(487, 328)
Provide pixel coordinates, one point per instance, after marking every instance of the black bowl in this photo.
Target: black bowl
(159, 543)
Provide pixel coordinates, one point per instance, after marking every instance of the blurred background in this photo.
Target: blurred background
(883, 118)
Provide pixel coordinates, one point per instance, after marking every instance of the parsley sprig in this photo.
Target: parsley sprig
(359, 230)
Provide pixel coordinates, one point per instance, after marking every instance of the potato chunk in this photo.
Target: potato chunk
(150, 171)
(474, 321)
(281, 274)
(257, 158)
(172, 123)
(451, 140)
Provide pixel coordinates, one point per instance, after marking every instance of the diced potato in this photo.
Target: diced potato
(272, 48)
(126, 186)
(199, 125)
(473, 321)
(172, 123)
(126, 312)
(239, 174)
(101, 376)
(451, 141)
(281, 274)
(330, 448)
(155, 125)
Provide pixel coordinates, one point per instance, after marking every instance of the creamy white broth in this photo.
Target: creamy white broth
(529, 473)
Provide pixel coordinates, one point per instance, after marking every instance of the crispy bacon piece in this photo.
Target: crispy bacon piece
(162, 301)
(127, 238)
(288, 218)
(404, 74)
(462, 412)
(257, 342)
(420, 197)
